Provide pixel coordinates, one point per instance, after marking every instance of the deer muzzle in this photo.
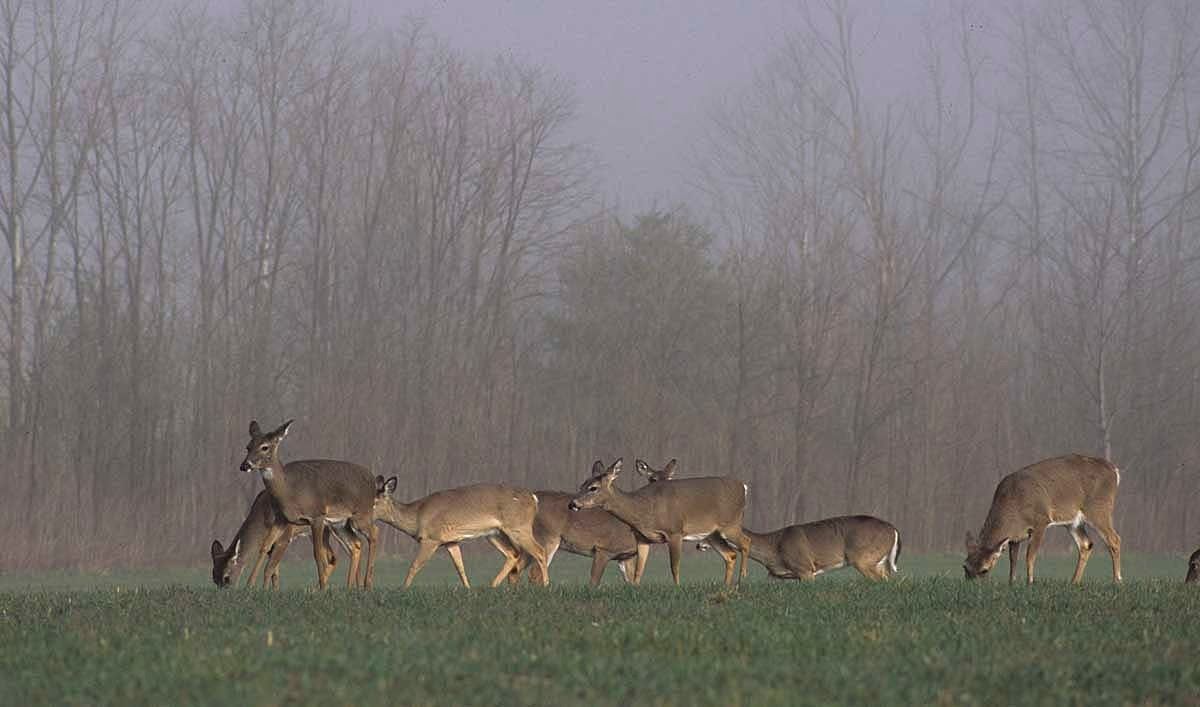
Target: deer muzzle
(573, 505)
(245, 466)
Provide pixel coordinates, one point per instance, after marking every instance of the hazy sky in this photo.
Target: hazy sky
(646, 73)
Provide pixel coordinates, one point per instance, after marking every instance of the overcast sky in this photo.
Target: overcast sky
(646, 73)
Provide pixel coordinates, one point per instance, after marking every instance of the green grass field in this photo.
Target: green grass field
(927, 637)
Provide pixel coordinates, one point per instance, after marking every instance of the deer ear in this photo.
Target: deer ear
(614, 469)
(255, 430)
(641, 467)
(236, 547)
(283, 430)
(217, 549)
(389, 486)
(597, 467)
(669, 469)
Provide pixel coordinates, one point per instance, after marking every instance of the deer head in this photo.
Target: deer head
(263, 450)
(598, 488)
(226, 563)
(654, 476)
(1193, 573)
(980, 559)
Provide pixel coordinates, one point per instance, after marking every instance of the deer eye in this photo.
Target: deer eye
(593, 487)
(265, 447)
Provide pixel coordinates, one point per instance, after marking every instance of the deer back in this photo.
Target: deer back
(325, 487)
(1054, 490)
(692, 505)
(582, 530)
(483, 505)
(832, 541)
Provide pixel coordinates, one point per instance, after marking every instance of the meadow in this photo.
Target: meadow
(927, 637)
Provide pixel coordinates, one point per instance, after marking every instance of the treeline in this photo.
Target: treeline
(884, 304)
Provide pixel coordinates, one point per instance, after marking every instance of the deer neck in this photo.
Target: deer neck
(764, 547)
(1001, 526)
(402, 517)
(273, 476)
(633, 510)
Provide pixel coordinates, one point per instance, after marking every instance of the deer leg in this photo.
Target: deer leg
(275, 556)
(500, 542)
(428, 547)
(734, 537)
(728, 555)
(269, 539)
(1112, 541)
(352, 543)
(1084, 544)
(372, 532)
(1014, 551)
(512, 556)
(643, 552)
(1035, 544)
(628, 569)
(535, 574)
(455, 553)
(524, 540)
(599, 562)
(318, 531)
(675, 547)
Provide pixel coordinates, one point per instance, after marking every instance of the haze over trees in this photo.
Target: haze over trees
(881, 304)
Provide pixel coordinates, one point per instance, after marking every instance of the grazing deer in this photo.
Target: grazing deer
(267, 533)
(803, 551)
(673, 511)
(1193, 573)
(317, 493)
(503, 514)
(1071, 491)
(592, 532)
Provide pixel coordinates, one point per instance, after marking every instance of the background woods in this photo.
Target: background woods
(879, 301)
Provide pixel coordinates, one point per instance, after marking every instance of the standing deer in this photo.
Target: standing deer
(267, 533)
(803, 551)
(1071, 491)
(673, 511)
(591, 532)
(503, 514)
(317, 493)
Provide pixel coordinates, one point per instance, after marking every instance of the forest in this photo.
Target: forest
(878, 303)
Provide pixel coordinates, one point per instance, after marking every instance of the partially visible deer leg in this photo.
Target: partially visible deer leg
(428, 547)
(675, 547)
(599, 562)
(1035, 545)
(319, 554)
(1014, 552)
(1084, 544)
(455, 553)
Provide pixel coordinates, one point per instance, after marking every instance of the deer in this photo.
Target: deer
(317, 493)
(673, 511)
(806, 550)
(267, 533)
(1071, 491)
(503, 514)
(1193, 573)
(590, 532)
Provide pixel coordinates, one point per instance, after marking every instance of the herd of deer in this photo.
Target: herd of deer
(342, 501)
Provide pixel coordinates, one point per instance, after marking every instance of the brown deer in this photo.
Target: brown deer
(1071, 491)
(503, 514)
(803, 551)
(317, 493)
(267, 534)
(673, 511)
(1193, 573)
(591, 532)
